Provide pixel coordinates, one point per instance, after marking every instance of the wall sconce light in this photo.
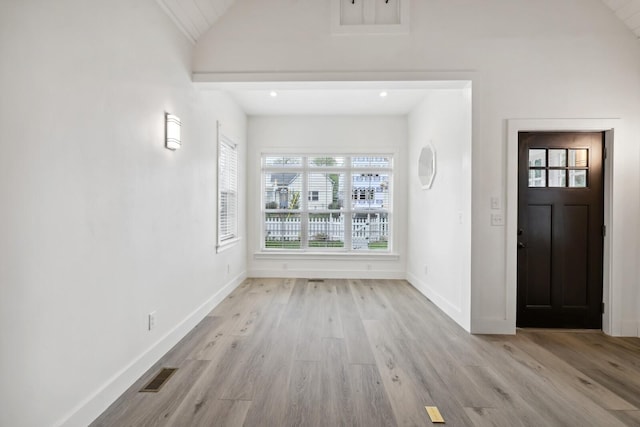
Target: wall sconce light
(172, 127)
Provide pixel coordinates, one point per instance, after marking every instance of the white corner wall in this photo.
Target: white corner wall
(100, 224)
(527, 63)
(439, 243)
(318, 134)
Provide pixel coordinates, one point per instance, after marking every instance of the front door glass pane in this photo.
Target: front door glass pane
(557, 158)
(537, 157)
(578, 158)
(577, 178)
(557, 178)
(537, 178)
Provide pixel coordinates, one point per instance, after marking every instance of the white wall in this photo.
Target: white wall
(578, 62)
(100, 224)
(439, 244)
(348, 135)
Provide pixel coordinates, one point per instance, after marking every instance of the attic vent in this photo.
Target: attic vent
(159, 380)
(370, 16)
(316, 280)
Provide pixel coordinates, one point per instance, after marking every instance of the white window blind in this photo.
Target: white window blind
(227, 191)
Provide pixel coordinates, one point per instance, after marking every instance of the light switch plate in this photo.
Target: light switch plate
(495, 203)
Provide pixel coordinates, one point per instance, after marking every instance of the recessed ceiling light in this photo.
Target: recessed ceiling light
(273, 93)
(383, 94)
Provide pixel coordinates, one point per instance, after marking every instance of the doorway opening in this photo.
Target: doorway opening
(610, 301)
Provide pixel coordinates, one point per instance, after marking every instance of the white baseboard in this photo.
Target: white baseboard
(328, 274)
(89, 409)
(450, 309)
(492, 326)
(629, 328)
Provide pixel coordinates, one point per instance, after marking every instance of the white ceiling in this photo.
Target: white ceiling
(332, 98)
(329, 102)
(628, 11)
(195, 17)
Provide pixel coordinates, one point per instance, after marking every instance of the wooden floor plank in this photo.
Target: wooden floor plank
(321, 320)
(407, 398)
(185, 348)
(247, 368)
(373, 305)
(628, 390)
(491, 417)
(283, 291)
(270, 407)
(228, 413)
(370, 398)
(306, 407)
(599, 363)
(629, 418)
(235, 297)
(502, 395)
(206, 347)
(445, 388)
(358, 346)
(564, 375)
(159, 406)
(336, 383)
(557, 399)
(295, 307)
(206, 390)
(375, 353)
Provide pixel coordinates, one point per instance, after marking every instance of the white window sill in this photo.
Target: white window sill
(312, 255)
(227, 244)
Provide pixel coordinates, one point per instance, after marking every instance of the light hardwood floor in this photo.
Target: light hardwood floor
(294, 352)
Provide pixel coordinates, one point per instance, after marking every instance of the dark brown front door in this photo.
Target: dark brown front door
(560, 229)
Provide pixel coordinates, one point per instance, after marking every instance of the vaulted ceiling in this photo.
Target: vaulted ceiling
(628, 11)
(195, 17)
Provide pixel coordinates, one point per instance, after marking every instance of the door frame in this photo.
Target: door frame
(611, 321)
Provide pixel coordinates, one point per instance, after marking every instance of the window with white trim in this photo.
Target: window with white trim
(227, 191)
(326, 202)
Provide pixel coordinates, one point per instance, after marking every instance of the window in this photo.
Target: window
(227, 191)
(326, 202)
(558, 167)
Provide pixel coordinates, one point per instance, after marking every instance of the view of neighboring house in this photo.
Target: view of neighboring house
(368, 190)
(283, 191)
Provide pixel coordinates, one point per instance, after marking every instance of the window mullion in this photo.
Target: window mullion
(304, 204)
(348, 201)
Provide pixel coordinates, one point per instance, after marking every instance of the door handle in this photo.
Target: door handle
(521, 245)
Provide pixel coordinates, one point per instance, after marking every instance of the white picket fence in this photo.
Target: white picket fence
(364, 229)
